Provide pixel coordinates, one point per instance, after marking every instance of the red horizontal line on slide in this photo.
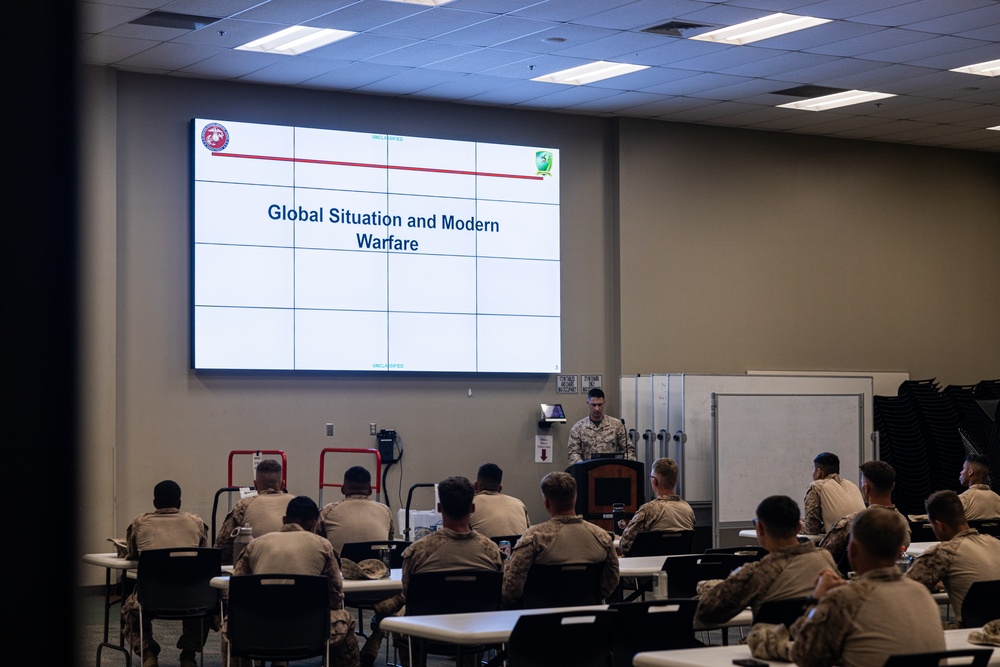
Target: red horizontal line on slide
(376, 166)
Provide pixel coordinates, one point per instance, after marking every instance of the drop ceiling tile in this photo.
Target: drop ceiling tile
(874, 41)
(611, 45)
(985, 95)
(517, 92)
(492, 6)
(642, 14)
(732, 113)
(535, 66)
(420, 54)
(967, 142)
(408, 82)
(574, 36)
(151, 32)
(961, 21)
(750, 114)
(668, 105)
(292, 72)
(569, 96)
(104, 50)
(231, 64)
(361, 47)
(826, 33)
(698, 84)
(787, 6)
(170, 57)
(673, 50)
(935, 46)
(431, 24)
(497, 30)
(461, 86)
(569, 10)
(732, 58)
(480, 60)
(723, 15)
(838, 68)
(616, 103)
(881, 79)
(221, 8)
(749, 89)
(696, 114)
(142, 4)
(920, 11)
(987, 33)
(235, 32)
(291, 12)
(367, 15)
(946, 84)
(923, 131)
(642, 80)
(960, 57)
(793, 119)
(970, 115)
(95, 18)
(354, 75)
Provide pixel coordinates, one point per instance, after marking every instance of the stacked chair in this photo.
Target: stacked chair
(902, 446)
(938, 422)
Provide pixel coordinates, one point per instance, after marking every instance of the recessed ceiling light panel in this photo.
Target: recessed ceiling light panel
(584, 74)
(295, 40)
(991, 68)
(762, 28)
(844, 99)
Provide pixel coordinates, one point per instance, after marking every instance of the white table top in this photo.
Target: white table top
(494, 627)
(918, 548)
(640, 566)
(391, 584)
(722, 656)
(110, 561)
(751, 533)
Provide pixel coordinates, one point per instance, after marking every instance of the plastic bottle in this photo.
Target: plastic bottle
(505, 548)
(243, 537)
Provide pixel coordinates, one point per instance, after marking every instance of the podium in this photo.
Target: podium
(600, 483)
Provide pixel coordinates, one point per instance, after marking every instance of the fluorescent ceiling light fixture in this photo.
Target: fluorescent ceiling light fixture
(843, 99)
(995, 127)
(758, 29)
(584, 74)
(991, 68)
(429, 3)
(295, 40)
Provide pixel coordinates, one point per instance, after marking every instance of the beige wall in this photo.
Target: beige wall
(783, 251)
(866, 256)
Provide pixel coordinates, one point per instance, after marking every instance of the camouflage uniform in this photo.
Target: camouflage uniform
(562, 539)
(840, 534)
(980, 502)
(587, 439)
(786, 572)
(862, 623)
(660, 513)
(356, 518)
(498, 514)
(442, 550)
(263, 512)
(292, 550)
(163, 529)
(958, 563)
(827, 500)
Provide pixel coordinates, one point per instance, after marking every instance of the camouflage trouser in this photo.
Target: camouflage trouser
(194, 632)
(343, 641)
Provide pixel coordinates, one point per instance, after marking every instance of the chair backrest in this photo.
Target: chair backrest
(658, 625)
(563, 639)
(662, 543)
(986, 526)
(175, 583)
(981, 605)
(359, 551)
(921, 531)
(684, 572)
(565, 585)
(453, 592)
(278, 616)
(756, 552)
(785, 611)
(976, 657)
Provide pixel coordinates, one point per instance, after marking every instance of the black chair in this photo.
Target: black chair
(564, 639)
(921, 531)
(757, 552)
(785, 611)
(450, 592)
(986, 526)
(658, 625)
(278, 617)
(175, 584)
(359, 551)
(566, 585)
(981, 604)
(978, 657)
(684, 572)
(662, 543)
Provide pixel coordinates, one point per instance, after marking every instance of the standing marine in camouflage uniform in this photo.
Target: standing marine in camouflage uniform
(165, 528)
(979, 500)
(830, 497)
(666, 511)
(565, 538)
(296, 549)
(962, 558)
(788, 571)
(263, 512)
(880, 614)
(877, 481)
(597, 433)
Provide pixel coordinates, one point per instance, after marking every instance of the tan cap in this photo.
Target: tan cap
(370, 568)
(990, 634)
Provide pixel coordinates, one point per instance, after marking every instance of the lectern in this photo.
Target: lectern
(600, 483)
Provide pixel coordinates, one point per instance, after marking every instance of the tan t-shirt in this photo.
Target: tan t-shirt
(980, 502)
(497, 515)
(356, 518)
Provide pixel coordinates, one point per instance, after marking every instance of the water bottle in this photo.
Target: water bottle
(617, 517)
(386, 555)
(505, 548)
(660, 586)
(903, 562)
(243, 536)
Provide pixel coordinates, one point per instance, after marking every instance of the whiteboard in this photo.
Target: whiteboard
(759, 438)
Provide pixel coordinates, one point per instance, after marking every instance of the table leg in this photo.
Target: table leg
(120, 646)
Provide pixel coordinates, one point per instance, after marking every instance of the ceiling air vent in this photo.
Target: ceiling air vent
(177, 21)
(679, 29)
